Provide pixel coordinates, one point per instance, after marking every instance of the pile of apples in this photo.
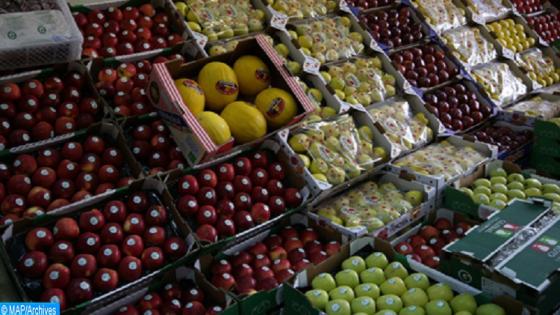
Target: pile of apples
(375, 285)
(173, 298)
(124, 87)
(235, 196)
(276, 259)
(426, 245)
(50, 178)
(394, 27)
(504, 137)
(99, 250)
(546, 25)
(368, 4)
(39, 109)
(154, 147)
(124, 31)
(511, 35)
(527, 6)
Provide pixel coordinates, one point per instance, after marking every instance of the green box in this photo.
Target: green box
(527, 272)
(546, 129)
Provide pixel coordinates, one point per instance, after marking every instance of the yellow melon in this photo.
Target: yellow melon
(245, 121)
(252, 73)
(192, 95)
(277, 106)
(219, 83)
(216, 127)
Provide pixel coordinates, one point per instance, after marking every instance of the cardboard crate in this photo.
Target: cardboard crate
(12, 246)
(189, 134)
(472, 259)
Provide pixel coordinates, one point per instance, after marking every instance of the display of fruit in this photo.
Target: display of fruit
(369, 4)
(329, 39)
(442, 15)
(536, 107)
(487, 10)
(499, 82)
(124, 85)
(336, 150)
(506, 138)
(546, 25)
(394, 27)
(425, 246)
(304, 9)
(370, 204)
(26, 6)
(38, 109)
(178, 297)
(441, 159)
(502, 186)
(375, 285)
(457, 106)
(152, 146)
(236, 196)
(99, 250)
(268, 263)
(539, 67)
(527, 6)
(55, 176)
(511, 35)
(424, 66)
(404, 129)
(469, 46)
(360, 81)
(222, 19)
(123, 31)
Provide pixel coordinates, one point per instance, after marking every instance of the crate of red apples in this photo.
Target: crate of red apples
(55, 174)
(97, 250)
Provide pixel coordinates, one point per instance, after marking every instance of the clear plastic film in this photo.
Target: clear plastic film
(539, 68)
(442, 15)
(441, 159)
(370, 204)
(329, 39)
(404, 129)
(499, 82)
(488, 10)
(537, 107)
(361, 81)
(336, 150)
(301, 9)
(469, 46)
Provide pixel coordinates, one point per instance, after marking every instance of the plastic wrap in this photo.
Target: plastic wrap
(300, 9)
(539, 68)
(361, 81)
(488, 10)
(329, 39)
(469, 46)
(370, 204)
(11, 6)
(511, 35)
(336, 150)
(441, 158)
(404, 129)
(499, 82)
(442, 15)
(537, 107)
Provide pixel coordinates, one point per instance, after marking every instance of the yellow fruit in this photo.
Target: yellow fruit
(277, 106)
(219, 83)
(252, 74)
(194, 27)
(216, 127)
(192, 95)
(245, 121)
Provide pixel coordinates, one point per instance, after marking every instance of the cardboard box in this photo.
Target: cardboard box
(514, 115)
(189, 134)
(501, 256)
(12, 246)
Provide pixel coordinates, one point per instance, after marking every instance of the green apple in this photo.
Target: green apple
(412, 310)
(393, 286)
(498, 172)
(386, 312)
(533, 182)
(318, 298)
(498, 180)
(516, 193)
(482, 182)
(389, 302)
(414, 197)
(482, 190)
(355, 263)
(515, 177)
(347, 277)
(373, 275)
(338, 307)
(533, 192)
(490, 309)
(552, 196)
(516, 185)
(440, 291)
(481, 199)
(438, 307)
(323, 281)
(417, 280)
(367, 289)
(467, 191)
(396, 269)
(500, 196)
(363, 304)
(497, 204)
(463, 302)
(342, 293)
(499, 188)
(550, 188)
(415, 296)
(463, 313)
(377, 259)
